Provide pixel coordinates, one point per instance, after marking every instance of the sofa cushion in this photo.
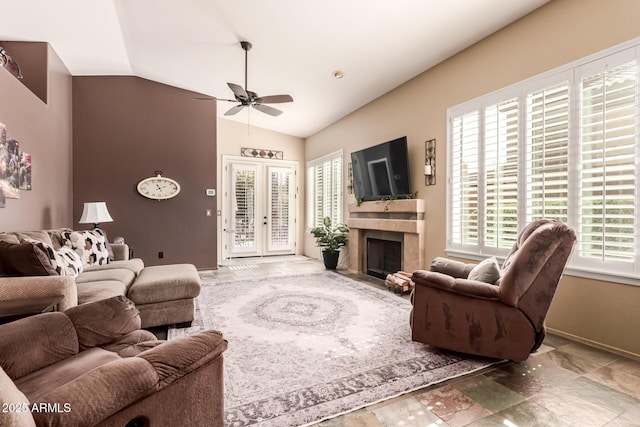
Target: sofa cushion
(41, 236)
(16, 413)
(92, 331)
(25, 259)
(95, 291)
(135, 265)
(89, 244)
(36, 342)
(9, 238)
(122, 275)
(44, 381)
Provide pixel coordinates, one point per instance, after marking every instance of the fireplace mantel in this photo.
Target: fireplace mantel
(398, 216)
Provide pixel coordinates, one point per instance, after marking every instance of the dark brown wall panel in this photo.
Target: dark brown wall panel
(125, 129)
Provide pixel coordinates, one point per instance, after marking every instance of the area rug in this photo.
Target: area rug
(307, 347)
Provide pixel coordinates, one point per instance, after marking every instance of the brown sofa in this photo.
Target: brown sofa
(92, 365)
(504, 319)
(163, 294)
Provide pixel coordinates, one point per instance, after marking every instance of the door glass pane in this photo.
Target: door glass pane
(279, 223)
(244, 214)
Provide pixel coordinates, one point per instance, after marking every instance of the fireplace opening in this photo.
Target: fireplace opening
(383, 257)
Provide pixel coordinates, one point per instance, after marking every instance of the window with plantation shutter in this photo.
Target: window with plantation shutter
(608, 141)
(465, 134)
(324, 189)
(562, 146)
(547, 153)
(501, 136)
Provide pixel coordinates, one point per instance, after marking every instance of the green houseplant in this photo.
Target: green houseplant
(330, 238)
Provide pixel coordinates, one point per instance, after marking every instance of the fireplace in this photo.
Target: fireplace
(395, 220)
(383, 257)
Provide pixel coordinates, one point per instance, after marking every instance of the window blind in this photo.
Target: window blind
(608, 114)
(547, 153)
(324, 189)
(465, 135)
(501, 135)
(563, 146)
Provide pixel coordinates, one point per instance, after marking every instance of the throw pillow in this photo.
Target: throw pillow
(90, 245)
(55, 259)
(25, 259)
(71, 261)
(487, 271)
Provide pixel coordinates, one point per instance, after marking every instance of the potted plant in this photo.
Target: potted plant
(330, 238)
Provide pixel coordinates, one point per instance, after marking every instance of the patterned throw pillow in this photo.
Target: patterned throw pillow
(56, 261)
(90, 245)
(71, 260)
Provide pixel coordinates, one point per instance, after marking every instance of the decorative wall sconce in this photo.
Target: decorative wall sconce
(430, 162)
(349, 178)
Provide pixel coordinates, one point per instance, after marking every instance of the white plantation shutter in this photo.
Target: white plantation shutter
(324, 189)
(501, 136)
(280, 197)
(244, 213)
(562, 146)
(547, 153)
(465, 136)
(608, 125)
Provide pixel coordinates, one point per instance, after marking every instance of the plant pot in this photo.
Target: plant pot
(330, 259)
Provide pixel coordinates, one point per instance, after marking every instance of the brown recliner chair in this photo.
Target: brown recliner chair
(504, 320)
(93, 365)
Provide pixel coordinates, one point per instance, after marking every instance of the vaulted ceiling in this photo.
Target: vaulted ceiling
(297, 45)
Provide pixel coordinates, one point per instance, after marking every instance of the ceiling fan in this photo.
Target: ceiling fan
(248, 98)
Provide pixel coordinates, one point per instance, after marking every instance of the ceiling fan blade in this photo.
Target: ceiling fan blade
(238, 91)
(266, 109)
(213, 98)
(274, 99)
(234, 110)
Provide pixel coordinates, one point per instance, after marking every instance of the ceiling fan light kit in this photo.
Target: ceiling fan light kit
(247, 98)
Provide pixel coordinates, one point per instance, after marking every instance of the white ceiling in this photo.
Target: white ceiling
(297, 44)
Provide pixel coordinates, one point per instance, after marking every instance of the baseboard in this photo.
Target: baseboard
(595, 344)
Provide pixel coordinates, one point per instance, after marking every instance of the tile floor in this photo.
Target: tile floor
(564, 384)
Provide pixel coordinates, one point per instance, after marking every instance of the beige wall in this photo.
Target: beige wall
(232, 136)
(558, 33)
(44, 131)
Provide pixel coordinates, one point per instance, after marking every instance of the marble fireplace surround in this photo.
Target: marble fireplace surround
(392, 218)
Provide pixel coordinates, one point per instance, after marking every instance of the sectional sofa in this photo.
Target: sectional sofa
(82, 266)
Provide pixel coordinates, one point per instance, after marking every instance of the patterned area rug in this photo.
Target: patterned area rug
(304, 348)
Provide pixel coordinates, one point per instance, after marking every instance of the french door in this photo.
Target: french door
(260, 207)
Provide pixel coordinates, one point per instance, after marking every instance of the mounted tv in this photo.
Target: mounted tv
(382, 171)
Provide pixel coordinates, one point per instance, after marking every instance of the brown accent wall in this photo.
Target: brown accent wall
(125, 129)
(597, 312)
(44, 130)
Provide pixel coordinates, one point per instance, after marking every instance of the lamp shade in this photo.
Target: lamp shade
(94, 213)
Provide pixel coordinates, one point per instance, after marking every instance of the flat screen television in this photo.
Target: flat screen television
(381, 171)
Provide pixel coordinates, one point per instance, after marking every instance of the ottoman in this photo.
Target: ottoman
(164, 294)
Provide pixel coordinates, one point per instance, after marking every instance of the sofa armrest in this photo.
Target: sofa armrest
(25, 287)
(120, 251)
(177, 358)
(450, 267)
(466, 287)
